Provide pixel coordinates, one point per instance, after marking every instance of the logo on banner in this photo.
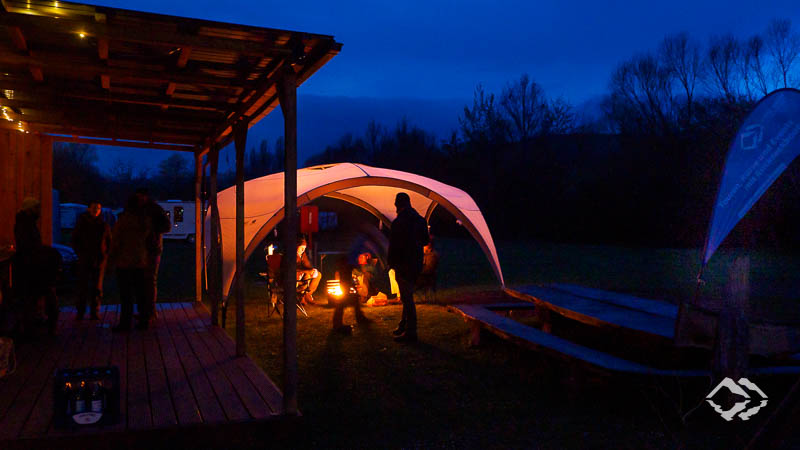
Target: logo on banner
(739, 409)
(751, 136)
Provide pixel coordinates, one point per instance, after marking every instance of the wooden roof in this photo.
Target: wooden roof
(118, 77)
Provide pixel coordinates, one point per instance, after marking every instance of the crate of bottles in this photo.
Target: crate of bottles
(86, 396)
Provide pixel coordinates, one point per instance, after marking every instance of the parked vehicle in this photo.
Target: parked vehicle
(181, 216)
(69, 213)
(66, 273)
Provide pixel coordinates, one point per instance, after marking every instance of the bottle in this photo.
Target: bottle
(67, 389)
(97, 398)
(79, 402)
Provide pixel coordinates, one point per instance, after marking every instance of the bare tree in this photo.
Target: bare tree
(559, 117)
(524, 104)
(784, 47)
(723, 59)
(681, 57)
(374, 135)
(756, 64)
(483, 123)
(641, 97)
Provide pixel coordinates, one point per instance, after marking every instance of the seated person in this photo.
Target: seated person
(430, 261)
(306, 271)
(365, 275)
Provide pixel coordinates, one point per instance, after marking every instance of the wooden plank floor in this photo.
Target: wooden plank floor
(179, 374)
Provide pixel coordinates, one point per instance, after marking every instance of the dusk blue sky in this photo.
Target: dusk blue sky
(423, 59)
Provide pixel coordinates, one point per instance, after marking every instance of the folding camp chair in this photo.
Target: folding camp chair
(275, 287)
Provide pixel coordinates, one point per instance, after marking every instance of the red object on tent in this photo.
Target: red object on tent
(363, 259)
(309, 219)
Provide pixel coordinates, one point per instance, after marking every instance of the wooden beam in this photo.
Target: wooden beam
(318, 58)
(74, 66)
(187, 127)
(118, 143)
(241, 145)
(183, 58)
(271, 103)
(102, 49)
(287, 90)
(37, 74)
(18, 38)
(54, 91)
(267, 82)
(144, 34)
(122, 135)
(82, 115)
(82, 125)
(170, 90)
(198, 225)
(21, 44)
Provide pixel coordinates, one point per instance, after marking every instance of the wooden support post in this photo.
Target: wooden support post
(198, 223)
(732, 340)
(474, 333)
(287, 94)
(46, 161)
(240, 130)
(201, 234)
(215, 253)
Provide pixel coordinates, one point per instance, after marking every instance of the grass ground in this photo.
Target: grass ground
(365, 390)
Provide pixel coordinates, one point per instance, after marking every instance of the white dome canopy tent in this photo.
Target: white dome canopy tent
(370, 188)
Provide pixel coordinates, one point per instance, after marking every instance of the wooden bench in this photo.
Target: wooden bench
(650, 320)
(483, 317)
(599, 312)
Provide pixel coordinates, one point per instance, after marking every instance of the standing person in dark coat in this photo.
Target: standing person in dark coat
(160, 224)
(130, 256)
(91, 240)
(408, 235)
(35, 267)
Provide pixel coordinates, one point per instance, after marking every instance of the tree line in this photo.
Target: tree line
(644, 171)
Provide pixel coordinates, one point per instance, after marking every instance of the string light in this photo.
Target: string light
(82, 35)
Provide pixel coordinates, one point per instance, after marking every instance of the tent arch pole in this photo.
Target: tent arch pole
(361, 203)
(323, 190)
(429, 212)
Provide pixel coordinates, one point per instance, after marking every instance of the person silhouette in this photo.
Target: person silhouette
(409, 235)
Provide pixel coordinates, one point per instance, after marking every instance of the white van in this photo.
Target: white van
(69, 213)
(181, 216)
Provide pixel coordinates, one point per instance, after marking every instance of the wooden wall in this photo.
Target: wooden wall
(26, 170)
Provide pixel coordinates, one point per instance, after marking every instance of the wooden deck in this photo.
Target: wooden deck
(179, 378)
